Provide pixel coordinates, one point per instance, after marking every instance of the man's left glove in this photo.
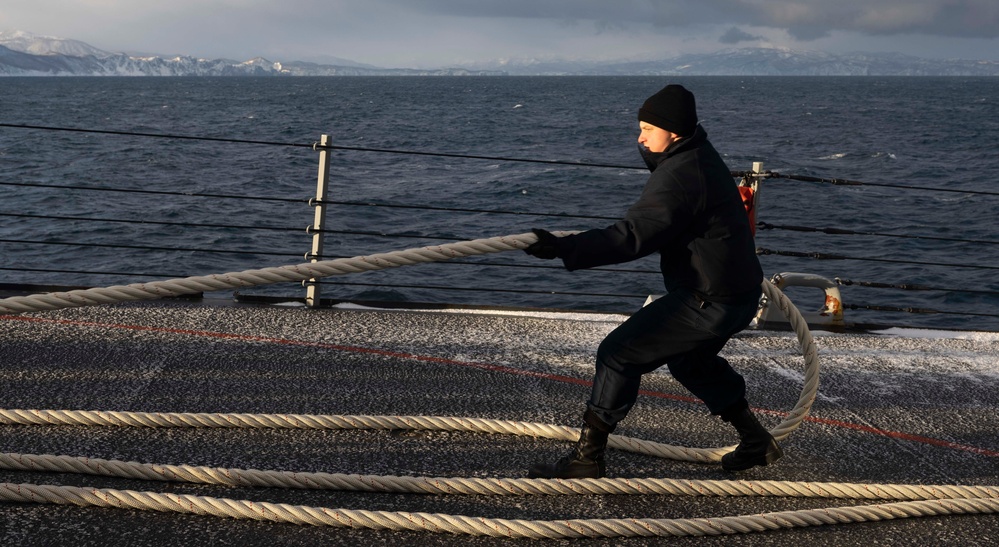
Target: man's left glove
(545, 247)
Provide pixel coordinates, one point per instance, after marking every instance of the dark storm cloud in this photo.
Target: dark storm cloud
(803, 19)
(735, 35)
(431, 33)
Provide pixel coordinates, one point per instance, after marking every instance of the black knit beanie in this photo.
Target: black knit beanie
(672, 109)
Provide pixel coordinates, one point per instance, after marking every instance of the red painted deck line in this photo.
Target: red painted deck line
(494, 368)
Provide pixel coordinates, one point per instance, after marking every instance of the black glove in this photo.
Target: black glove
(545, 247)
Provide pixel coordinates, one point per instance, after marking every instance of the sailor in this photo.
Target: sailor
(691, 213)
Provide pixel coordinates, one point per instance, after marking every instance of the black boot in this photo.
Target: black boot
(586, 461)
(756, 445)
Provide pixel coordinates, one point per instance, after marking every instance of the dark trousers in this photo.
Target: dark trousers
(677, 330)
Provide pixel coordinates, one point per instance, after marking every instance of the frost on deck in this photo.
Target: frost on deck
(898, 406)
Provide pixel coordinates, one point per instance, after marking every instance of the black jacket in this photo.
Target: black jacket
(690, 211)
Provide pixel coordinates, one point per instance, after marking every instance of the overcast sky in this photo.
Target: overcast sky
(436, 33)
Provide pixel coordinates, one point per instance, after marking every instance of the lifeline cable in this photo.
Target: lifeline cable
(487, 289)
(930, 311)
(312, 201)
(842, 231)
(154, 192)
(911, 287)
(147, 247)
(155, 223)
(831, 256)
(845, 182)
(317, 146)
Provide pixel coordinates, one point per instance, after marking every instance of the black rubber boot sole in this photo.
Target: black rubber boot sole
(733, 462)
(566, 470)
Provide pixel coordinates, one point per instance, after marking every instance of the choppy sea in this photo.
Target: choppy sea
(939, 133)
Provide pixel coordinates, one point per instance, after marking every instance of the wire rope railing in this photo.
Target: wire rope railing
(492, 290)
(831, 256)
(846, 182)
(846, 232)
(352, 210)
(152, 192)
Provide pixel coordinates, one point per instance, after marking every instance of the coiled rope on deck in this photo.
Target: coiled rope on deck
(315, 270)
(924, 501)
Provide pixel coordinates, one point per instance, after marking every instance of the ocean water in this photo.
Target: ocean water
(921, 132)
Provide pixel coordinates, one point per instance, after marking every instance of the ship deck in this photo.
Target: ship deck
(902, 406)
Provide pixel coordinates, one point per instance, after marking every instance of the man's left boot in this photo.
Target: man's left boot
(756, 445)
(586, 461)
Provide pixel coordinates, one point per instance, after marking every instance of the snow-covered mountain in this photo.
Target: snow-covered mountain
(33, 44)
(25, 54)
(772, 62)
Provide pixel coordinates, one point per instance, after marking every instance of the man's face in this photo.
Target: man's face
(655, 138)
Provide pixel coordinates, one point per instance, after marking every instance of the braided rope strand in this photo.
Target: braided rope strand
(485, 486)
(477, 526)
(266, 276)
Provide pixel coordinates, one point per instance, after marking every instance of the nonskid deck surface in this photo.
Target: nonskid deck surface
(903, 407)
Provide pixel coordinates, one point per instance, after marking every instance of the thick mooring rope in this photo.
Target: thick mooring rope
(478, 526)
(487, 486)
(266, 276)
(920, 500)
